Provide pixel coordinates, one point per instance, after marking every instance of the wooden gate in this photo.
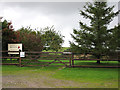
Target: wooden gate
(50, 59)
(6, 59)
(47, 59)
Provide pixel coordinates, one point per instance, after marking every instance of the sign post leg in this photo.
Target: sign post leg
(19, 59)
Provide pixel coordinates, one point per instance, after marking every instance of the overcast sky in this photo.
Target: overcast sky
(63, 15)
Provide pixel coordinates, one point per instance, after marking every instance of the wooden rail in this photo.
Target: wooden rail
(97, 59)
(18, 58)
(95, 66)
(48, 58)
(9, 57)
(51, 57)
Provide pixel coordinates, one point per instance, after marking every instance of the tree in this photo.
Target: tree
(30, 39)
(47, 39)
(96, 38)
(8, 34)
(52, 39)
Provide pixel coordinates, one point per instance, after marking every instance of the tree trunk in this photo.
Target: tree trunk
(98, 61)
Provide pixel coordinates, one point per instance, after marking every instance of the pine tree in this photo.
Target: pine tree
(96, 38)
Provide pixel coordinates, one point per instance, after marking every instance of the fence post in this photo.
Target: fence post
(72, 60)
(71, 57)
(19, 59)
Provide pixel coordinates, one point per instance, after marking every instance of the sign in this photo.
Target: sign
(14, 47)
(22, 54)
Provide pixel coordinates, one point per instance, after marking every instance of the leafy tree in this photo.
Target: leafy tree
(96, 38)
(8, 34)
(52, 40)
(30, 39)
(47, 39)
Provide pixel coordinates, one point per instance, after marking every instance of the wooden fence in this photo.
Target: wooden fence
(95, 66)
(49, 59)
(38, 59)
(10, 59)
(89, 57)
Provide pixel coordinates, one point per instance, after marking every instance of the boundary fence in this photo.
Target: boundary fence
(8, 58)
(49, 59)
(38, 59)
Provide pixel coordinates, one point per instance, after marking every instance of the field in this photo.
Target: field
(58, 77)
(61, 77)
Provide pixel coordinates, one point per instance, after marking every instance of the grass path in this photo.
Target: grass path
(58, 77)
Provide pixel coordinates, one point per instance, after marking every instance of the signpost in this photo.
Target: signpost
(14, 47)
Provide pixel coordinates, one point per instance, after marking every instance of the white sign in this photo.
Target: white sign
(14, 47)
(22, 54)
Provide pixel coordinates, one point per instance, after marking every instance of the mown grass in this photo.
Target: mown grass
(67, 77)
(102, 63)
(77, 62)
(95, 77)
(87, 77)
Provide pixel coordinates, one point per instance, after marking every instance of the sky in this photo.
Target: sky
(63, 15)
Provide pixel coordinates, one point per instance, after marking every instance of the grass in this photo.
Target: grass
(87, 74)
(103, 63)
(59, 77)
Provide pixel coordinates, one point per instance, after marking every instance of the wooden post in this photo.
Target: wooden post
(19, 59)
(71, 57)
(72, 60)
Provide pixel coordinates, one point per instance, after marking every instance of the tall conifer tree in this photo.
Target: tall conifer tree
(96, 38)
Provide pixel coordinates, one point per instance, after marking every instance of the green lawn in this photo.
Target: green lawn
(59, 77)
(102, 63)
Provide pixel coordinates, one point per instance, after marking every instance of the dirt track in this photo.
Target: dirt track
(46, 78)
(38, 81)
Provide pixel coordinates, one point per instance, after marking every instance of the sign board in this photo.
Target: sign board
(22, 54)
(14, 47)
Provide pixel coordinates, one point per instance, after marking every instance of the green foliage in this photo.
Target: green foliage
(63, 49)
(96, 38)
(52, 39)
(31, 40)
(47, 39)
(8, 34)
